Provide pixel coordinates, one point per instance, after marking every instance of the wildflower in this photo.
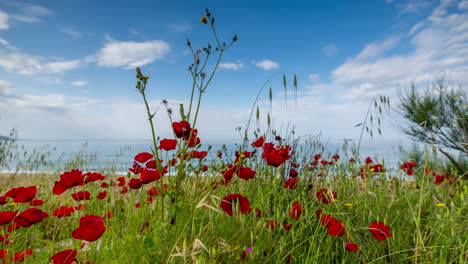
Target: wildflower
(348, 204)
(68, 180)
(22, 194)
(296, 210)
(441, 205)
(80, 196)
(317, 156)
(246, 173)
(64, 257)
(30, 216)
(287, 226)
(168, 144)
(258, 143)
(272, 224)
(135, 183)
(335, 227)
(368, 160)
(380, 230)
(325, 197)
(275, 156)
(230, 200)
(36, 202)
(19, 256)
(101, 195)
(6, 217)
(64, 211)
(148, 176)
(293, 173)
(91, 228)
(350, 246)
(204, 20)
(290, 183)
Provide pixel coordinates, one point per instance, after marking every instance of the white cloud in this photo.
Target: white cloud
(71, 32)
(4, 20)
(180, 28)
(79, 83)
(314, 77)
(463, 5)
(27, 13)
(439, 46)
(330, 50)
(235, 66)
(414, 6)
(26, 64)
(131, 54)
(266, 65)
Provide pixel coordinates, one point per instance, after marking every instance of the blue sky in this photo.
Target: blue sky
(67, 67)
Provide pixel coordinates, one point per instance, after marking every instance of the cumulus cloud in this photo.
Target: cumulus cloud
(330, 50)
(4, 20)
(235, 66)
(26, 64)
(131, 54)
(439, 47)
(266, 64)
(180, 28)
(79, 83)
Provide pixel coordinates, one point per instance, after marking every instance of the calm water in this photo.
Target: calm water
(121, 153)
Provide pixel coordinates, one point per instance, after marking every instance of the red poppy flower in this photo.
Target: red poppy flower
(317, 156)
(64, 257)
(30, 216)
(335, 227)
(36, 202)
(377, 168)
(121, 181)
(136, 168)
(91, 228)
(380, 230)
(287, 226)
(22, 194)
(104, 184)
(3, 252)
(272, 224)
(92, 177)
(82, 195)
(350, 246)
(135, 183)
(68, 180)
(368, 160)
(229, 173)
(296, 210)
(246, 173)
(231, 200)
(181, 129)
(148, 176)
(124, 190)
(352, 160)
(101, 195)
(198, 154)
(325, 197)
(290, 183)
(408, 167)
(258, 143)
(153, 191)
(168, 144)
(336, 157)
(143, 157)
(193, 140)
(3, 200)
(258, 213)
(293, 173)
(63, 211)
(6, 217)
(19, 256)
(275, 156)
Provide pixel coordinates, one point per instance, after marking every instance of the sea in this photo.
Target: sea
(99, 155)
